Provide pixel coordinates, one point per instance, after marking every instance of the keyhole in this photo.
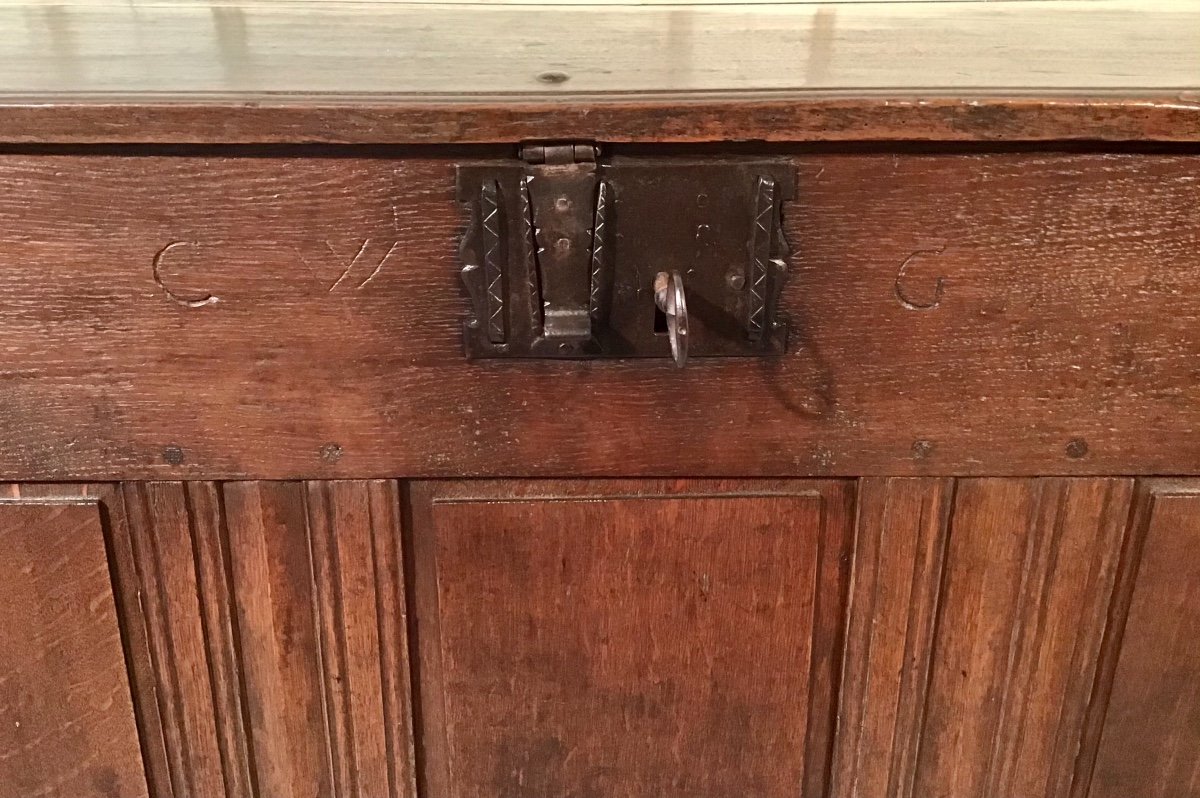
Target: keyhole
(660, 321)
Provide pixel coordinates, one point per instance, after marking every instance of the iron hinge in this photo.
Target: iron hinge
(559, 154)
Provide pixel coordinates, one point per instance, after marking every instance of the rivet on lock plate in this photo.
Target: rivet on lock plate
(568, 255)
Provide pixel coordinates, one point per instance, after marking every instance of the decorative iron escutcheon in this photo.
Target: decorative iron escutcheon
(563, 251)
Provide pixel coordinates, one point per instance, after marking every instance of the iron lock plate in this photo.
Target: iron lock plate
(562, 251)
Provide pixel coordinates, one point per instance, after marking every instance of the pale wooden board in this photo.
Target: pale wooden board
(91, 51)
(279, 3)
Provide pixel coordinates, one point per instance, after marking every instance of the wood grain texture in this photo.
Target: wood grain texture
(1149, 730)
(272, 579)
(278, 630)
(972, 313)
(1028, 577)
(425, 73)
(123, 570)
(67, 724)
(902, 530)
(974, 638)
(354, 537)
(595, 638)
(815, 117)
(183, 574)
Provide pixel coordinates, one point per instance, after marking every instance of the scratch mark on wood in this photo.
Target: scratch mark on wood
(939, 286)
(361, 257)
(178, 298)
(379, 266)
(353, 262)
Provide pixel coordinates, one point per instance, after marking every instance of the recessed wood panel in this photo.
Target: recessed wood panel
(277, 628)
(67, 725)
(976, 619)
(927, 292)
(179, 548)
(316, 569)
(900, 545)
(596, 639)
(1149, 742)
(124, 569)
(1029, 570)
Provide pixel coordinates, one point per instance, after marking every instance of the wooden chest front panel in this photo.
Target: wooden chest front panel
(1149, 741)
(942, 619)
(266, 532)
(600, 639)
(989, 599)
(888, 637)
(66, 714)
(229, 313)
(264, 631)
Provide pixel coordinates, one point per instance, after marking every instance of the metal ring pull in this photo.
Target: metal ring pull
(669, 296)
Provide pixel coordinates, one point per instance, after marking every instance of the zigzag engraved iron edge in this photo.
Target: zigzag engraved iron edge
(532, 278)
(764, 222)
(493, 259)
(599, 239)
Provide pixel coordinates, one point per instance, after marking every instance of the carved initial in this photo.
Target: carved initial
(179, 249)
(939, 285)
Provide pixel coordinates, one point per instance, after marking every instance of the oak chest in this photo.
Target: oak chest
(410, 401)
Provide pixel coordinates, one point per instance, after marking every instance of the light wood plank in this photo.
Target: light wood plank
(191, 51)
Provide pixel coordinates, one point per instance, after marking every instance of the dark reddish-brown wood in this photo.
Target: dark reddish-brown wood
(969, 313)
(124, 569)
(1001, 637)
(1028, 579)
(229, 251)
(1149, 737)
(609, 638)
(989, 599)
(263, 628)
(67, 724)
(671, 119)
(899, 553)
(276, 618)
(316, 571)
